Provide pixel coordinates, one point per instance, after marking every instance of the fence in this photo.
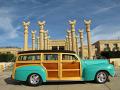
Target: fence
(5, 66)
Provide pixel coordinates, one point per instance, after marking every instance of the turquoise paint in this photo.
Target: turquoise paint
(23, 72)
(91, 67)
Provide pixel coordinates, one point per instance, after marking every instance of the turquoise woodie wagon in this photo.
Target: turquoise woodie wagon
(36, 67)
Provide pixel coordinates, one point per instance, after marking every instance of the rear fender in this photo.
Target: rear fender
(22, 72)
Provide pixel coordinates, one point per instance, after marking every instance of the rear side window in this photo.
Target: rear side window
(50, 56)
(29, 57)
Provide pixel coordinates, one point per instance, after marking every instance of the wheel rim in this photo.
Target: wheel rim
(34, 79)
(101, 77)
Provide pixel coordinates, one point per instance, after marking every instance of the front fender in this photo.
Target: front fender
(22, 72)
(90, 71)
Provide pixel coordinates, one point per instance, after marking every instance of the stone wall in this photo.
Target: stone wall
(115, 61)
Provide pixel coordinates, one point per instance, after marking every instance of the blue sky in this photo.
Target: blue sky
(105, 15)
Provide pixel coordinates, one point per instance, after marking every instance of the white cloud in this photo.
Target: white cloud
(102, 10)
(6, 27)
(105, 9)
(104, 32)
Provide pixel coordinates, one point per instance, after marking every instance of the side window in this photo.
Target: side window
(29, 57)
(22, 58)
(69, 57)
(50, 56)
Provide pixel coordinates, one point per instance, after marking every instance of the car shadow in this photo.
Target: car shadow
(64, 82)
(14, 82)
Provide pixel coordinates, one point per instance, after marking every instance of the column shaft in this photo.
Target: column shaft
(45, 40)
(77, 49)
(73, 35)
(33, 40)
(81, 43)
(26, 24)
(41, 40)
(87, 23)
(67, 43)
(41, 34)
(69, 40)
(38, 43)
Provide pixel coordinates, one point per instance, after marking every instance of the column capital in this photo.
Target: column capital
(26, 24)
(41, 24)
(33, 32)
(72, 24)
(68, 31)
(87, 22)
(80, 30)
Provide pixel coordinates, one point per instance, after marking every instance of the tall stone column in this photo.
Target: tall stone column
(72, 26)
(69, 40)
(41, 33)
(38, 43)
(77, 49)
(81, 43)
(26, 24)
(33, 39)
(67, 43)
(87, 23)
(45, 39)
(48, 44)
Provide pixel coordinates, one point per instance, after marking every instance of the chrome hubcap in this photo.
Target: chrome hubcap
(34, 79)
(101, 77)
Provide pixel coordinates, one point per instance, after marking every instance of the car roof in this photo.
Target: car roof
(45, 51)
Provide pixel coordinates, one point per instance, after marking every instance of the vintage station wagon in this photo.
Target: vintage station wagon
(38, 66)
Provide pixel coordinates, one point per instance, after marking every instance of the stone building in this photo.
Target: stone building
(56, 44)
(12, 50)
(107, 45)
(102, 45)
(85, 51)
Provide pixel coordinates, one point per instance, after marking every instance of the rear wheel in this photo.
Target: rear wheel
(101, 77)
(34, 80)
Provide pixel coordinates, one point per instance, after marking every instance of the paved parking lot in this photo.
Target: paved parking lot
(7, 84)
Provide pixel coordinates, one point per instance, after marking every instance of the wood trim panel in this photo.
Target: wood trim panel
(71, 74)
(69, 65)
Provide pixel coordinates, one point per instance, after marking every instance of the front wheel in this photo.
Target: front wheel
(34, 80)
(101, 77)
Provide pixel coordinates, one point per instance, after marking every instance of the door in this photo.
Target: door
(50, 62)
(70, 67)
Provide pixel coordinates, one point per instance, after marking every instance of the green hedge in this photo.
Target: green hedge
(111, 54)
(7, 57)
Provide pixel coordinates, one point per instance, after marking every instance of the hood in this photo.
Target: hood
(95, 61)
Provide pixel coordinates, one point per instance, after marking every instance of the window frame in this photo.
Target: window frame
(43, 58)
(29, 55)
(77, 58)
